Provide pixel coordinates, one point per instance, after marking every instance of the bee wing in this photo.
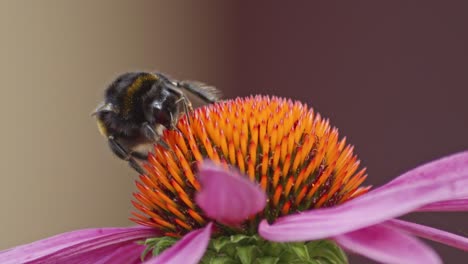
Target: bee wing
(207, 93)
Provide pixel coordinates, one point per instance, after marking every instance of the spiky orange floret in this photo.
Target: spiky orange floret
(290, 151)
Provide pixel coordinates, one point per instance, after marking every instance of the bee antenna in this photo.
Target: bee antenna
(104, 107)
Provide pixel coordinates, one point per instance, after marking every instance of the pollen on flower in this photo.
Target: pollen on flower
(289, 150)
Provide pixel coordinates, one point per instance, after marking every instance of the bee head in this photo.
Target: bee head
(161, 112)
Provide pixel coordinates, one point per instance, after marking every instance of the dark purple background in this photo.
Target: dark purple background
(391, 76)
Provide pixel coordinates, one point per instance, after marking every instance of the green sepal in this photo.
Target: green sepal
(247, 254)
(243, 239)
(267, 260)
(219, 260)
(327, 251)
(157, 245)
(243, 249)
(300, 250)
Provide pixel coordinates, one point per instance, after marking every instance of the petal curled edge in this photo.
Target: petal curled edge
(387, 245)
(448, 181)
(92, 245)
(226, 196)
(430, 233)
(458, 205)
(190, 249)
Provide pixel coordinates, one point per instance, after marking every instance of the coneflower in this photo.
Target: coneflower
(265, 180)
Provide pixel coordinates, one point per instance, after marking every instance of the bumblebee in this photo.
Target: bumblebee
(138, 106)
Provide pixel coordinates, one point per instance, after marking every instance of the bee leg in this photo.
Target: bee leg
(174, 123)
(136, 166)
(187, 108)
(122, 153)
(139, 155)
(186, 104)
(152, 135)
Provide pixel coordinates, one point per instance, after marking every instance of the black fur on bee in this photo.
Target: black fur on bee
(138, 106)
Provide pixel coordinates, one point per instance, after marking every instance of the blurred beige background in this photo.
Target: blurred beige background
(56, 58)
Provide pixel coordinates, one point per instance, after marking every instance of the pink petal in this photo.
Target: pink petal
(387, 245)
(190, 249)
(87, 245)
(458, 205)
(448, 179)
(227, 196)
(130, 253)
(430, 233)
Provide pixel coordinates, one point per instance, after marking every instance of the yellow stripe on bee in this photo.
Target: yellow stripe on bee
(102, 127)
(134, 87)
